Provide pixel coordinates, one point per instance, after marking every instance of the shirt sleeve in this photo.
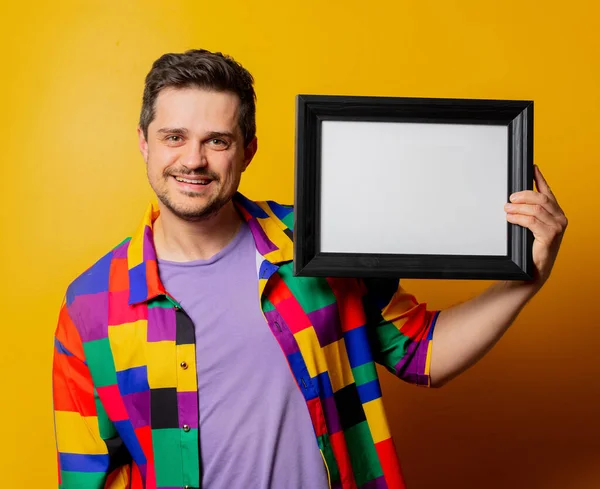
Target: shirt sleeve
(400, 330)
(86, 441)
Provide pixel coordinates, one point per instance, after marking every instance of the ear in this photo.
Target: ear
(249, 152)
(143, 144)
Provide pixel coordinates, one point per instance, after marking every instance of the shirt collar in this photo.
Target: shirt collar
(273, 238)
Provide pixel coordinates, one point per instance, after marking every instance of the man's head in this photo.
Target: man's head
(197, 130)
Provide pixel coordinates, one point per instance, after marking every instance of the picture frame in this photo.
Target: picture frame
(409, 187)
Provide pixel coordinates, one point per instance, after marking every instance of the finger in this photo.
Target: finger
(540, 231)
(536, 210)
(542, 185)
(536, 198)
(541, 182)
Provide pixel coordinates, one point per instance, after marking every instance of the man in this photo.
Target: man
(190, 356)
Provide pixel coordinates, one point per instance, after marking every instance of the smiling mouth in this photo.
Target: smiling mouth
(203, 181)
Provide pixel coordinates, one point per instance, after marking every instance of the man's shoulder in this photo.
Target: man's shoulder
(283, 212)
(95, 279)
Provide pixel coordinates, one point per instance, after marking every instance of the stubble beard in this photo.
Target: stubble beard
(193, 212)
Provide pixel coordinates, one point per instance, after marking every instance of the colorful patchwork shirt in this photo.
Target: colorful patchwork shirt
(124, 378)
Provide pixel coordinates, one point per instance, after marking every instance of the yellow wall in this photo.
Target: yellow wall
(73, 185)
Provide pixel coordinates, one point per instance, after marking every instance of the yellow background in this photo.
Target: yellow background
(73, 185)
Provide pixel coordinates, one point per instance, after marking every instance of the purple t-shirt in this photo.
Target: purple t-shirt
(255, 429)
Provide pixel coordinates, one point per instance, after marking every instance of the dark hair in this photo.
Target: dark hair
(203, 69)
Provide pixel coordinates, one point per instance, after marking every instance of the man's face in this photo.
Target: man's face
(195, 152)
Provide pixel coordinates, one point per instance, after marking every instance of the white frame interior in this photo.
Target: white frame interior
(413, 188)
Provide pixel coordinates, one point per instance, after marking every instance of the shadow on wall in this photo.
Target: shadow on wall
(496, 428)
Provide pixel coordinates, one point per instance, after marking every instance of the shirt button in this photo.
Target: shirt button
(186, 427)
(183, 365)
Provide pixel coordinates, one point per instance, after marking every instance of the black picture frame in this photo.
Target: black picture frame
(313, 110)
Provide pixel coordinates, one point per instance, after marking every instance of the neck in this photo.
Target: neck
(178, 240)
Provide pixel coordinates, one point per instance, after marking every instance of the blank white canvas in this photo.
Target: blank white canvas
(413, 188)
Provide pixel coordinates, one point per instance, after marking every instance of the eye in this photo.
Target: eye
(174, 138)
(217, 142)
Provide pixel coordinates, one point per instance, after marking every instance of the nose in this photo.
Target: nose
(195, 157)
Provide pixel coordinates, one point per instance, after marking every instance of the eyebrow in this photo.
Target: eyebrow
(172, 130)
(220, 134)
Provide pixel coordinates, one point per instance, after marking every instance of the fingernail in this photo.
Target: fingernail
(508, 207)
(513, 197)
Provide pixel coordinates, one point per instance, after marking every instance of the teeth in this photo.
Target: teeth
(185, 180)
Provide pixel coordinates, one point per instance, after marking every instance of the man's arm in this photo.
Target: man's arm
(466, 332)
(86, 441)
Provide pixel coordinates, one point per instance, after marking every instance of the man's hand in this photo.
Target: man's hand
(540, 213)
